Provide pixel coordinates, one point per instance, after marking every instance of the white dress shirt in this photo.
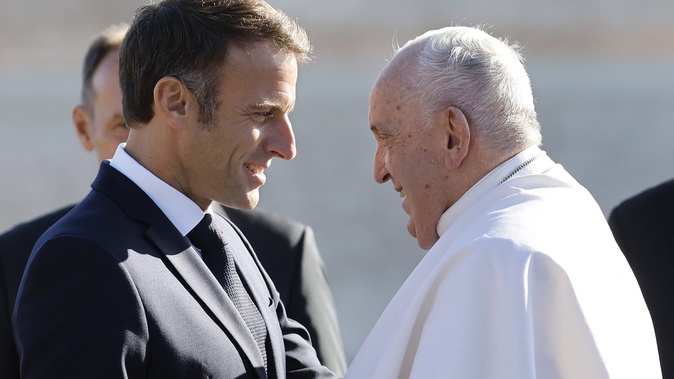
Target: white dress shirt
(183, 213)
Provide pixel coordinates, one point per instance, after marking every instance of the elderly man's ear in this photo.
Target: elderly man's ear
(457, 137)
(174, 102)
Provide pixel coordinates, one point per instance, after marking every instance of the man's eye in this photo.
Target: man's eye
(266, 115)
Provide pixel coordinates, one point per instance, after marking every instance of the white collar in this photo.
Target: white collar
(183, 213)
(505, 170)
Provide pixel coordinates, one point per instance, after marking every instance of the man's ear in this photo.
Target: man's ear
(173, 101)
(83, 124)
(458, 137)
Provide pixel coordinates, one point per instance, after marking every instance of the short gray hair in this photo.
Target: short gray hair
(481, 75)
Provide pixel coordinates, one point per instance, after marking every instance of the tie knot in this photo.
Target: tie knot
(204, 234)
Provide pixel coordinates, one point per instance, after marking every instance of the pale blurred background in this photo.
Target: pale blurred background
(602, 72)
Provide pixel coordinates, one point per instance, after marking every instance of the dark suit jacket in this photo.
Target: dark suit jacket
(643, 226)
(113, 290)
(286, 248)
(15, 248)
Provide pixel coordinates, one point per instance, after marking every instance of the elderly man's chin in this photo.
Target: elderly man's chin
(411, 229)
(424, 240)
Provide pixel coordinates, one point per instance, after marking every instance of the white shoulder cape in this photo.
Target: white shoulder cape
(526, 281)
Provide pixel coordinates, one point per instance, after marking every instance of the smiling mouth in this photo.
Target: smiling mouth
(255, 169)
(402, 192)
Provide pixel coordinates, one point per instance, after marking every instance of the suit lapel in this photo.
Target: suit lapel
(197, 276)
(182, 256)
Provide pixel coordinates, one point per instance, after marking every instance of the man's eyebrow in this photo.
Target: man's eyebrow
(271, 104)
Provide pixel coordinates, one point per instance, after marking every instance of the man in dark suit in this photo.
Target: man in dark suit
(643, 227)
(286, 248)
(116, 276)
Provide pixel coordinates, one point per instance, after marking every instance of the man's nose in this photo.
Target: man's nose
(282, 140)
(381, 174)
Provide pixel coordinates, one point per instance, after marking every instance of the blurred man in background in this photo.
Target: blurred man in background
(287, 249)
(523, 278)
(643, 227)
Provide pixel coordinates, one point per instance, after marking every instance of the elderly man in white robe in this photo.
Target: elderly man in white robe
(523, 278)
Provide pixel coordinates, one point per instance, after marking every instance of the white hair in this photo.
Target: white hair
(483, 76)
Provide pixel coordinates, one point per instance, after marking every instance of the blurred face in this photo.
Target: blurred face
(103, 129)
(410, 153)
(226, 161)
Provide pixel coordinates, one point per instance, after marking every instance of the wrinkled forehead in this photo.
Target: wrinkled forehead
(390, 90)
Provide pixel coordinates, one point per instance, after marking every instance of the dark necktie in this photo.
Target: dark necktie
(215, 251)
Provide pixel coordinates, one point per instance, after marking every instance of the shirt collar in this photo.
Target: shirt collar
(505, 170)
(183, 213)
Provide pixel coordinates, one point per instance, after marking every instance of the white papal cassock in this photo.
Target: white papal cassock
(526, 281)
